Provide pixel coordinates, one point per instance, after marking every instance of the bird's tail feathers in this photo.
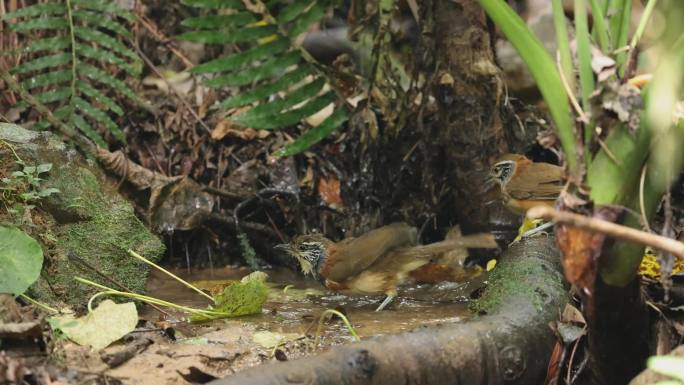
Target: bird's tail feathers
(473, 241)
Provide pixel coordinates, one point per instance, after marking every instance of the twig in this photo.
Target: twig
(152, 28)
(172, 88)
(614, 230)
(222, 192)
(571, 95)
(642, 206)
(74, 257)
(177, 278)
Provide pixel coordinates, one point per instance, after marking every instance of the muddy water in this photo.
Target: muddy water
(226, 346)
(294, 309)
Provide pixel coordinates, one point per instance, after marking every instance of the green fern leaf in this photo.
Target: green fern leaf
(54, 95)
(88, 109)
(42, 23)
(270, 68)
(306, 20)
(216, 4)
(315, 134)
(272, 109)
(36, 10)
(88, 130)
(43, 63)
(294, 10)
(232, 37)
(242, 59)
(291, 117)
(95, 94)
(265, 90)
(220, 21)
(94, 18)
(47, 79)
(104, 7)
(77, 65)
(283, 86)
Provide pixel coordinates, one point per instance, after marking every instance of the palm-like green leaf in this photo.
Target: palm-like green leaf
(282, 84)
(76, 61)
(542, 68)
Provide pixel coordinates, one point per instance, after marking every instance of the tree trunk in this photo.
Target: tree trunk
(469, 89)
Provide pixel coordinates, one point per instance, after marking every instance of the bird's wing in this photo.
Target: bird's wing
(538, 181)
(473, 241)
(352, 256)
(399, 263)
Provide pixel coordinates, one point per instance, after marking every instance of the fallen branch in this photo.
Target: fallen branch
(612, 229)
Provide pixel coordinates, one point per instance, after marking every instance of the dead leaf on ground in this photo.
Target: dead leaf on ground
(99, 328)
(227, 128)
(139, 176)
(329, 191)
(181, 82)
(270, 340)
(243, 180)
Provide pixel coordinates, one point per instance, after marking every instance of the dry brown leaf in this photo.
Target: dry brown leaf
(572, 314)
(579, 256)
(226, 128)
(318, 118)
(307, 180)
(329, 191)
(581, 249)
(554, 363)
(134, 173)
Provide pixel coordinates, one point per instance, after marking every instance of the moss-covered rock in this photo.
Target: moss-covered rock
(87, 221)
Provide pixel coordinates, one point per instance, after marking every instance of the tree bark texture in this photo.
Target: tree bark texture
(469, 90)
(509, 344)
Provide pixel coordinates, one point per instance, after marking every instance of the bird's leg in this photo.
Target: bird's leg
(386, 302)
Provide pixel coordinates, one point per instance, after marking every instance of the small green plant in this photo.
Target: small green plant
(24, 188)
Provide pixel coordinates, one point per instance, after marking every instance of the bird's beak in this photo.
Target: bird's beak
(283, 247)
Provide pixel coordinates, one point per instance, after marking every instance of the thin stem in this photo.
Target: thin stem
(344, 319)
(642, 205)
(11, 149)
(147, 299)
(39, 304)
(170, 274)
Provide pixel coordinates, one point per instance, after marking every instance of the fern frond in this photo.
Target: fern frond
(282, 84)
(75, 63)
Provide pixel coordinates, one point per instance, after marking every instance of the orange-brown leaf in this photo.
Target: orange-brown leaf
(329, 191)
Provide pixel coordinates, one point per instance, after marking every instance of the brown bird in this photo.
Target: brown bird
(525, 184)
(376, 262)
